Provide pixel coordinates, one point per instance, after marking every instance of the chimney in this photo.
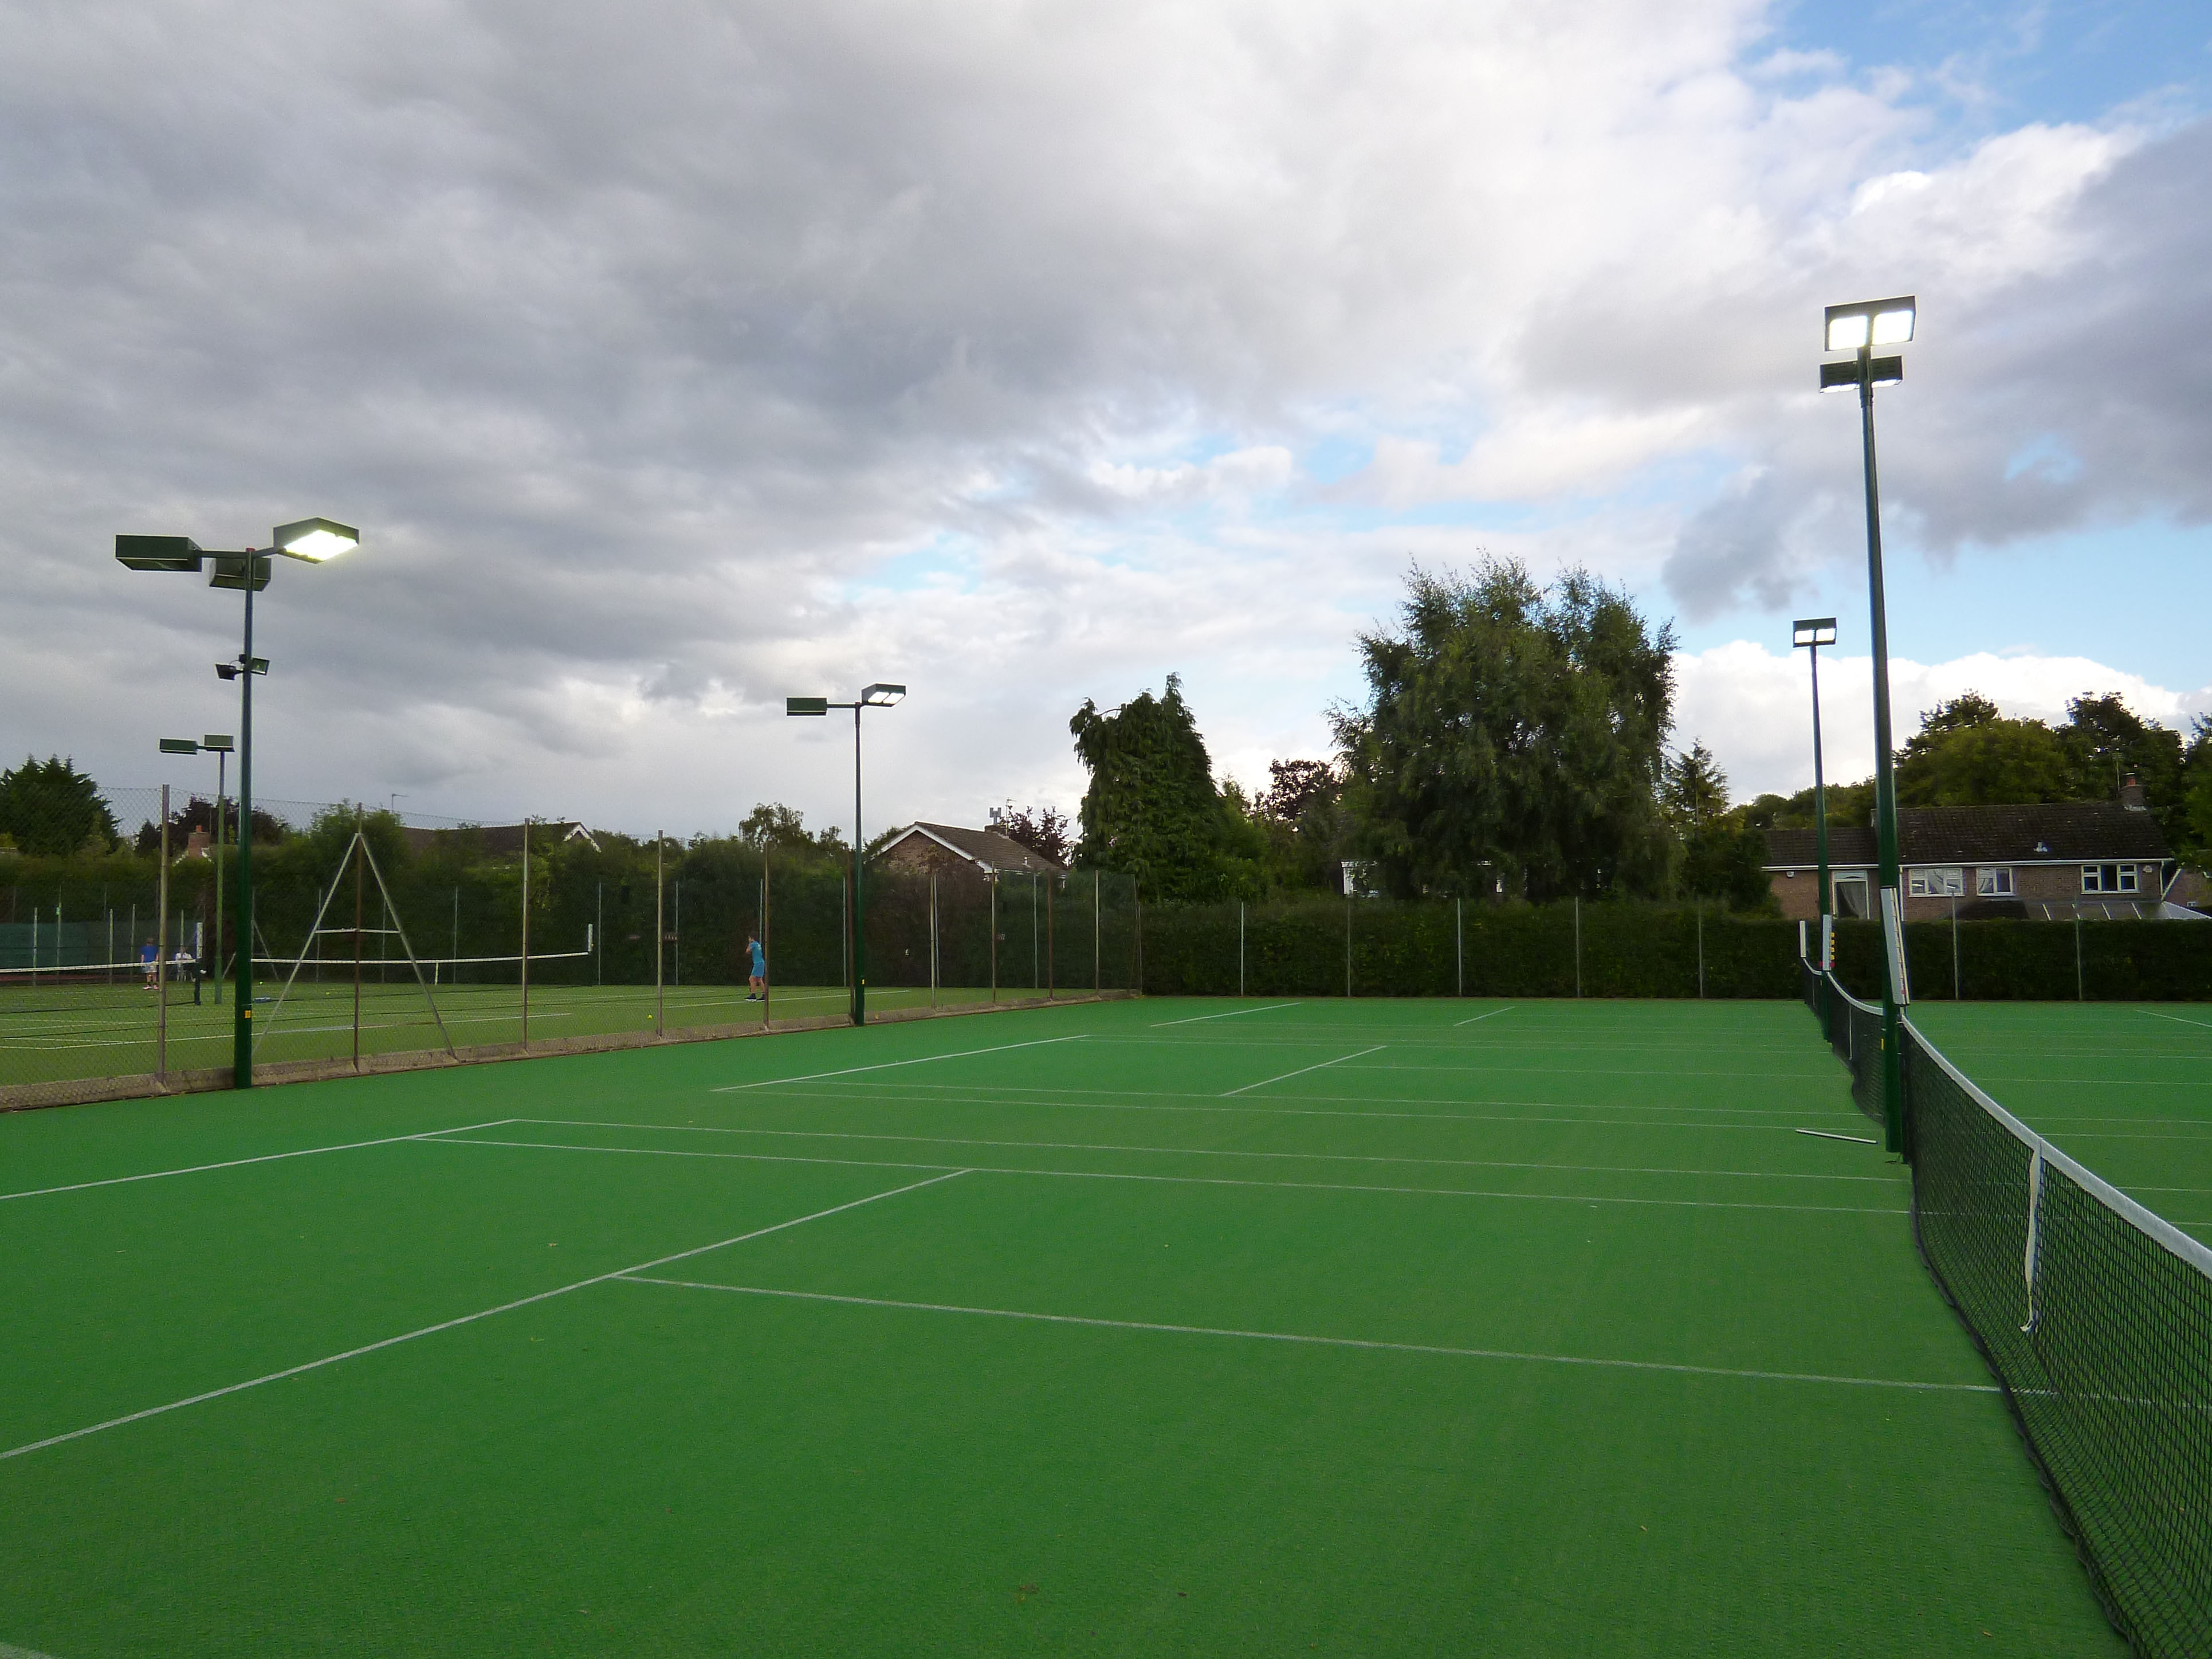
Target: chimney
(2131, 793)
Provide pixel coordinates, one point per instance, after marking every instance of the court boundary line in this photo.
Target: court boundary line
(1193, 1181)
(464, 1319)
(1160, 1025)
(1493, 1015)
(1371, 1344)
(2202, 1025)
(1230, 1152)
(239, 1163)
(887, 1065)
(1228, 1093)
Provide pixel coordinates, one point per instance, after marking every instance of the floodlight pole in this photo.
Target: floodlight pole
(1884, 782)
(242, 1019)
(859, 908)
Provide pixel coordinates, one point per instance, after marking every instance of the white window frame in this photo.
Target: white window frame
(1993, 883)
(2109, 878)
(1935, 881)
(1858, 879)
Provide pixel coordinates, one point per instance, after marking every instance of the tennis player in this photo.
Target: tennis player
(759, 981)
(150, 960)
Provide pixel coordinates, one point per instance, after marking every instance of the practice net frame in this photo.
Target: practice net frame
(2095, 1314)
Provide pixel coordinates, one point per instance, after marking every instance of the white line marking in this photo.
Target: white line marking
(1227, 1152)
(235, 1163)
(1302, 1069)
(886, 1065)
(1830, 1135)
(7, 1652)
(1328, 1342)
(1194, 1019)
(1493, 1015)
(466, 1319)
(1188, 1181)
(2177, 1019)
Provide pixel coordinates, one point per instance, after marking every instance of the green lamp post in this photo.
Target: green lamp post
(879, 696)
(315, 541)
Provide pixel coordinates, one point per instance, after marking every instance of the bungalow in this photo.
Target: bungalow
(499, 841)
(926, 847)
(2092, 859)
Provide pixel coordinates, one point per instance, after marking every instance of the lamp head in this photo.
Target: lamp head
(1871, 322)
(179, 745)
(231, 570)
(217, 743)
(314, 539)
(880, 696)
(806, 705)
(1813, 631)
(158, 552)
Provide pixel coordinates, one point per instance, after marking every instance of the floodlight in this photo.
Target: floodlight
(881, 696)
(1879, 371)
(158, 552)
(806, 705)
(1871, 322)
(217, 743)
(314, 539)
(230, 570)
(179, 745)
(1813, 631)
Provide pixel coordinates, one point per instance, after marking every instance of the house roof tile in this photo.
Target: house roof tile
(987, 848)
(2067, 830)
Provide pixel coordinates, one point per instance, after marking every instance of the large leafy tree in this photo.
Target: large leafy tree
(1153, 809)
(1989, 762)
(52, 809)
(1513, 735)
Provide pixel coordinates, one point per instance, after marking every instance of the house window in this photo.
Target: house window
(1851, 896)
(2108, 878)
(1993, 883)
(1933, 884)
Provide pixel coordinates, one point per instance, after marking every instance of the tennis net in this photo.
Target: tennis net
(2095, 1314)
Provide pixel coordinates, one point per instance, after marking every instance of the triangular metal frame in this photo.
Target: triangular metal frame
(360, 841)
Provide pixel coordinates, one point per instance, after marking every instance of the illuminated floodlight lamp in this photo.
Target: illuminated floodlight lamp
(317, 540)
(1813, 631)
(179, 745)
(806, 705)
(1871, 322)
(880, 696)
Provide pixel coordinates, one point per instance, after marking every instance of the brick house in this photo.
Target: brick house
(2093, 859)
(926, 847)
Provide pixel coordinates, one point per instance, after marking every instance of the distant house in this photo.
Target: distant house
(499, 840)
(2096, 860)
(924, 847)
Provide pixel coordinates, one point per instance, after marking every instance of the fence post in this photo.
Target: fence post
(659, 941)
(525, 932)
(993, 880)
(1347, 944)
(768, 896)
(1578, 944)
(1701, 953)
(1459, 942)
(1957, 978)
(2081, 991)
(1097, 984)
(1051, 965)
(933, 938)
(1137, 899)
(1240, 948)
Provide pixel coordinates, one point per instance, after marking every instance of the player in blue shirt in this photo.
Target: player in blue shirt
(759, 981)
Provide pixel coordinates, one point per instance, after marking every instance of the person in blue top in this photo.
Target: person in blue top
(759, 981)
(149, 960)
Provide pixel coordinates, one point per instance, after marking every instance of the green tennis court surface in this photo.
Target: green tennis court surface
(50, 1032)
(1146, 1327)
(2126, 1088)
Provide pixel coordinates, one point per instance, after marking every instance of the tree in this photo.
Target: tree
(52, 809)
(1692, 789)
(1043, 830)
(1512, 734)
(1295, 785)
(2107, 741)
(1152, 809)
(1992, 762)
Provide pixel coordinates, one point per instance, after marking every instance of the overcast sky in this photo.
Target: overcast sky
(675, 356)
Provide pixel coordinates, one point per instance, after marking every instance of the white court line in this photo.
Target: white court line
(235, 1163)
(1329, 1342)
(1493, 1015)
(1192, 1181)
(2177, 1019)
(920, 1060)
(466, 1319)
(1158, 1025)
(1302, 1070)
(7, 1652)
(1223, 1152)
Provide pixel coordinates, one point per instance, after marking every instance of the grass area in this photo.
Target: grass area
(50, 1032)
(1135, 1328)
(2125, 1087)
